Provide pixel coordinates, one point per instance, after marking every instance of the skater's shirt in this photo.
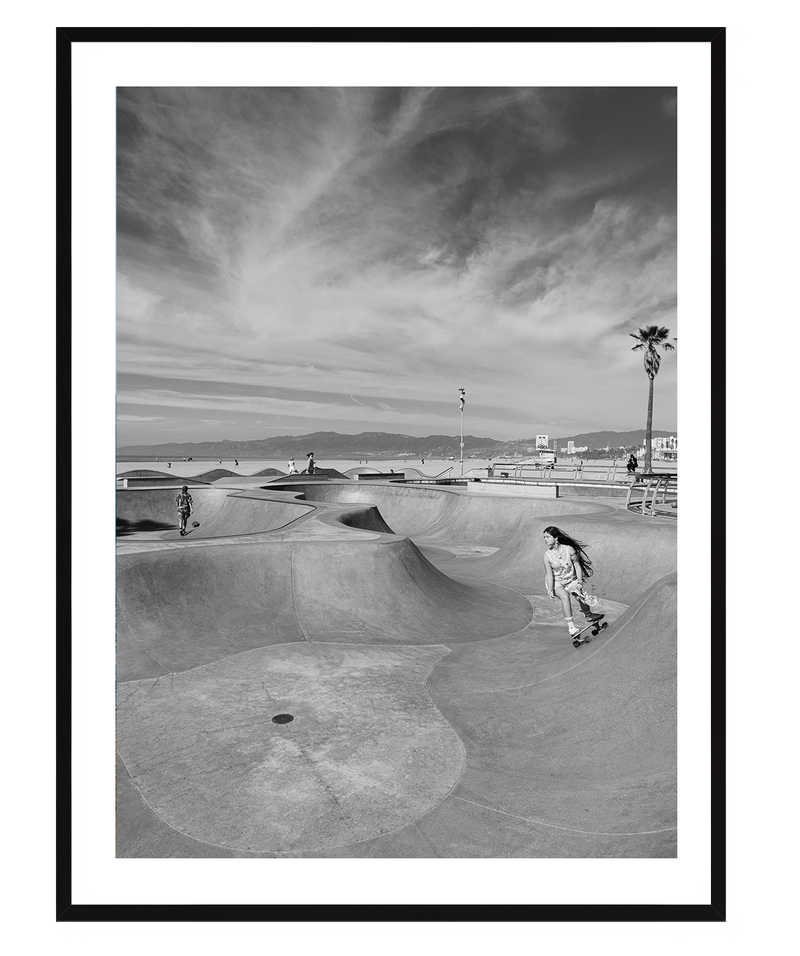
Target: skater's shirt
(184, 501)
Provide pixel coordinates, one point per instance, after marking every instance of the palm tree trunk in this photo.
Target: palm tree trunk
(648, 440)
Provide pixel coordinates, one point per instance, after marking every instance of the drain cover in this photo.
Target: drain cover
(282, 718)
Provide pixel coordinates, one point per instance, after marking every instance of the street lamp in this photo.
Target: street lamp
(461, 403)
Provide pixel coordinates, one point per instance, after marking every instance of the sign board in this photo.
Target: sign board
(542, 442)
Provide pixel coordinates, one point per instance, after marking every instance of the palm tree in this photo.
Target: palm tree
(648, 340)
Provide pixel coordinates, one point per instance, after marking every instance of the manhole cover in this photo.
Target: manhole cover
(282, 718)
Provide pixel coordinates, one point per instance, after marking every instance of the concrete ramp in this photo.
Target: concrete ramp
(588, 751)
(578, 763)
(437, 706)
(629, 553)
(220, 512)
(628, 556)
(437, 515)
(153, 509)
(179, 609)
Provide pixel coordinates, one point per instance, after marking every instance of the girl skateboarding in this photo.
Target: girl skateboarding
(567, 566)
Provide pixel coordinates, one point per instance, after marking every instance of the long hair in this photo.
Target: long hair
(563, 538)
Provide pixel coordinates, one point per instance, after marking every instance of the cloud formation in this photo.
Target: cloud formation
(345, 259)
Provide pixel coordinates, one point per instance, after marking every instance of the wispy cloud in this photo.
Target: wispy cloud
(140, 418)
(380, 247)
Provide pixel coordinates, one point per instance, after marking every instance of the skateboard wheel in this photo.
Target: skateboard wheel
(576, 643)
(587, 639)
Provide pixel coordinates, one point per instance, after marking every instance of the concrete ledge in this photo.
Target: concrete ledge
(527, 487)
(518, 489)
(593, 490)
(169, 481)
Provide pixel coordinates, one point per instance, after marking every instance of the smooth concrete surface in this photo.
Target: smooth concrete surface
(440, 709)
(223, 512)
(485, 487)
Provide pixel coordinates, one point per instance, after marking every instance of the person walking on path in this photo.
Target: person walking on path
(311, 463)
(567, 566)
(185, 506)
(292, 467)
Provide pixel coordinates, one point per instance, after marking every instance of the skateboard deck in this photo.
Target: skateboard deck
(595, 627)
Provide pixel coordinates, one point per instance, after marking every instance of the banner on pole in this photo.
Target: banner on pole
(461, 399)
(542, 442)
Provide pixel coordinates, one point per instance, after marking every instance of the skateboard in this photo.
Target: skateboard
(596, 627)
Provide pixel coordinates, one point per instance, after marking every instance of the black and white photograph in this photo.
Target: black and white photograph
(379, 332)
(397, 472)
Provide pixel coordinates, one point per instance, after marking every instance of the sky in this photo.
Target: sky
(320, 259)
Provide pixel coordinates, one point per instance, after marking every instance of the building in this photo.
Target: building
(665, 447)
(570, 447)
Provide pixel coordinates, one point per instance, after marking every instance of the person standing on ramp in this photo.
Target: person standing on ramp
(185, 506)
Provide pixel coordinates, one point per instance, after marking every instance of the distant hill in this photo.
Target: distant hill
(372, 445)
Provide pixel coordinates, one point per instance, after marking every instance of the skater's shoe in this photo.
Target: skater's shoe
(574, 631)
(591, 617)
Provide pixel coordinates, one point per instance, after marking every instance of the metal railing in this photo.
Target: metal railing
(654, 495)
(593, 472)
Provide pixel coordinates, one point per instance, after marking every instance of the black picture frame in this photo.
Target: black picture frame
(69, 911)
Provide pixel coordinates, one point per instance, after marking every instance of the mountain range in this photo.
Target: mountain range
(377, 445)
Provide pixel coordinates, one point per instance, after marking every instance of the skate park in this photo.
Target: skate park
(372, 668)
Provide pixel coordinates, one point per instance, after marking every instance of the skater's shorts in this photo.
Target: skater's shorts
(578, 591)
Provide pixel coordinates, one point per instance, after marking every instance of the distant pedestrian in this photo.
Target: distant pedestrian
(292, 467)
(236, 462)
(185, 506)
(169, 464)
(632, 465)
(567, 566)
(311, 467)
